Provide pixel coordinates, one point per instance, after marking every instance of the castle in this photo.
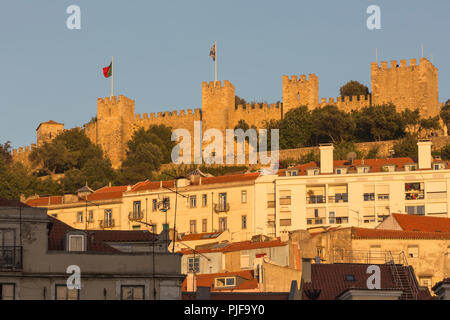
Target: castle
(407, 86)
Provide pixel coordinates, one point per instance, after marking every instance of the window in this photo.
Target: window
(383, 197)
(132, 292)
(413, 251)
(222, 224)
(136, 208)
(342, 220)
(204, 200)
(270, 200)
(165, 227)
(350, 277)
(80, 217)
(312, 172)
(193, 201)
(194, 265)
(193, 226)
(90, 216)
(369, 196)
(225, 282)
(76, 242)
(244, 196)
(419, 210)
(285, 197)
(154, 204)
(244, 222)
(7, 291)
(137, 227)
(108, 218)
(204, 225)
(222, 201)
(64, 293)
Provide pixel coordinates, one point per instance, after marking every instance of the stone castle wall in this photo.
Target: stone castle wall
(413, 86)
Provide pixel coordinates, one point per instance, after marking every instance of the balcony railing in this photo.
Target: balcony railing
(221, 207)
(315, 199)
(104, 224)
(10, 257)
(136, 215)
(415, 195)
(338, 198)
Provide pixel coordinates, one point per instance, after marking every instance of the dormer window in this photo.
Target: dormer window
(363, 169)
(292, 173)
(312, 172)
(225, 282)
(388, 168)
(439, 166)
(76, 242)
(342, 170)
(410, 167)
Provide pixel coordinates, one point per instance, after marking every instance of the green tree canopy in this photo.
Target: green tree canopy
(329, 124)
(295, 128)
(445, 115)
(353, 88)
(406, 147)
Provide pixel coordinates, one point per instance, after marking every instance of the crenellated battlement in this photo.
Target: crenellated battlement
(22, 154)
(347, 103)
(401, 65)
(256, 106)
(303, 78)
(217, 84)
(168, 114)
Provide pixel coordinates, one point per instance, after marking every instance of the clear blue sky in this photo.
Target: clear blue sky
(162, 51)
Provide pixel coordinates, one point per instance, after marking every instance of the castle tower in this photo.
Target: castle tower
(217, 103)
(114, 127)
(407, 87)
(301, 92)
(47, 131)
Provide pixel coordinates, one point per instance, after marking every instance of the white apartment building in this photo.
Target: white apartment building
(351, 193)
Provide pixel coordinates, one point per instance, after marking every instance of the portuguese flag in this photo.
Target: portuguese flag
(107, 71)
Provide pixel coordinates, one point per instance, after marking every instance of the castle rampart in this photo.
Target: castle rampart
(348, 103)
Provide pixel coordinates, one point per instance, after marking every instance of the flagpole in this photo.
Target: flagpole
(112, 77)
(215, 62)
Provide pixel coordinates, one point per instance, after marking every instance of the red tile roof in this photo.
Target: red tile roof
(112, 189)
(207, 280)
(362, 233)
(57, 236)
(12, 203)
(236, 246)
(331, 280)
(409, 222)
(375, 165)
(201, 236)
(122, 235)
(44, 201)
(231, 178)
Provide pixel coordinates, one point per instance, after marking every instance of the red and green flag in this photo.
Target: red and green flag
(107, 71)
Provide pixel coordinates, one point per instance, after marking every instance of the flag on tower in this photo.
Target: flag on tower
(107, 71)
(212, 53)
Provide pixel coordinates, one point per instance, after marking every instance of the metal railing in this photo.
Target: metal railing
(107, 223)
(315, 199)
(136, 215)
(367, 257)
(221, 207)
(338, 198)
(10, 257)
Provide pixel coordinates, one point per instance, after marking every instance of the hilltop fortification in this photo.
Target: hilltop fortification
(407, 86)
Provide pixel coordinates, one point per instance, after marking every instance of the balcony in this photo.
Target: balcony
(338, 198)
(415, 195)
(221, 207)
(315, 199)
(136, 215)
(11, 257)
(105, 224)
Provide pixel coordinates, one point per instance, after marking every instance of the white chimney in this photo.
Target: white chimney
(424, 151)
(326, 158)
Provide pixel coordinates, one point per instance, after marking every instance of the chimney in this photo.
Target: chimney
(424, 154)
(326, 158)
(306, 270)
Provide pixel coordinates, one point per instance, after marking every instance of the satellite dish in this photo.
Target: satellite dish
(351, 156)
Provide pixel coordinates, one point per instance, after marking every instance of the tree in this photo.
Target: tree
(239, 101)
(295, 128)
(141, 164)
(411, 119)
(429, 124)
(445, 115)
(5, 151)
(343, 148)
(378, 123)
(445, 153)
(353, 88)
(159, 135)
(406, 147)
(329, 124)
(447, 103)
